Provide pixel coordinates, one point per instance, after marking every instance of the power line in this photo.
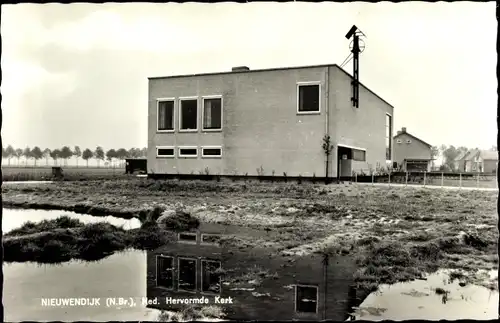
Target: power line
(346, 60)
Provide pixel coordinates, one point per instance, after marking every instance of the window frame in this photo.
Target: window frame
(165, 147)
(408, 141)
(211, 156)
(208, 97)
(389, 136)
(298, 85)
(201, 275)
(189, 98)
(180, 155)
(317, 298)
(361, 150)
(195, 274)
(187, 241)
(399, 141)
(158, 100)
(173, 270)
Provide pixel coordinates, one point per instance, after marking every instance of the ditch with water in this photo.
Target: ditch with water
(123, 274)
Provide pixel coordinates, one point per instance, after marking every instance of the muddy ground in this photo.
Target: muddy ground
(396, 234)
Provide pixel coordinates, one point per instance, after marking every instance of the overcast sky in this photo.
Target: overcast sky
(77, 74)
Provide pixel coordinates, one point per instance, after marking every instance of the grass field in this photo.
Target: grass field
(396, 234)
(41, 173)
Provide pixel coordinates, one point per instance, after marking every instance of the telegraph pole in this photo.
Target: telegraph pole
(355, 33)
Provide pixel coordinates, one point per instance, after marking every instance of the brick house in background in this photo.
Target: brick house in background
(411, 153)
(482, 161)
(232, 123)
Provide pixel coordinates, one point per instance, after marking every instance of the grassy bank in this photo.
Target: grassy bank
(63, 239)
(41, 173)
(395, 233)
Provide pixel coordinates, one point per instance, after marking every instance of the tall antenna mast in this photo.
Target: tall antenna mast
(356, 48)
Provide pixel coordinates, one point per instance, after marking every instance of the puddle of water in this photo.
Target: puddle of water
(120, 275)
(15, 218)
(434, 299)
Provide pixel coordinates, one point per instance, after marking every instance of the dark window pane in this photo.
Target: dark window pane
(211, 273)
(189, 114)
(166, 115)
(187, 237)
(212, 118)
(308, 98)
(165, 151)
(212, 152)
(306, 299)
(188, 151)
(187, 274)
(165, 271)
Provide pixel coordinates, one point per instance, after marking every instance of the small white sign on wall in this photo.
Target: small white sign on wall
(344, 156)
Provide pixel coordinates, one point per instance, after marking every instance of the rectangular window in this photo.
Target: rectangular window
(188, 152)
(188, 114)
(187, 237)
(165, 152)
(306, 299)
(212, 113)
(308, 98)
(210, 238)
(187, 274)
(358, 155)
(211, 152)
(388, 137)
(165, 115)
(165, 272)
(211, 276)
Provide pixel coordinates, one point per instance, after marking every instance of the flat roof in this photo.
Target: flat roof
(269, 70)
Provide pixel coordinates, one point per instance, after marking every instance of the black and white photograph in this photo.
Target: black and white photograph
(249, 161)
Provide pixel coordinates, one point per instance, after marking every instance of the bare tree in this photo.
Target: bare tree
(46, 154)
(77, 153)
(18, 153)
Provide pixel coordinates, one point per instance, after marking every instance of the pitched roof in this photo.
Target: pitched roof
(471, 154)
(489, 155)
(414, 138)
(461, 155)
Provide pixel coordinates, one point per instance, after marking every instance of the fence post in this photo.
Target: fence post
(477, 180)
(424, 177)
(355, 177)
(372, 179)
(460, 180)
(406, 179)
(389, 179)
(442, 179)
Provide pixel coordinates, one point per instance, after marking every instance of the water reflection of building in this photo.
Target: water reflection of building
(262, 286)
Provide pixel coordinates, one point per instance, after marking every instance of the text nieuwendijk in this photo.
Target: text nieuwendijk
(131, 302)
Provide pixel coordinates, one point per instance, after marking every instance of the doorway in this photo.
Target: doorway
(344, 162)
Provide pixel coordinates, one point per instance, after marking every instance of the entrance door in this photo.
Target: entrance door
(344, 159)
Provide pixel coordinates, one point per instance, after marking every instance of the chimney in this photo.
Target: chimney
(403, 129)
(240, 69)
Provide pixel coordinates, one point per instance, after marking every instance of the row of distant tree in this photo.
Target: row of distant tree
(65, 153)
